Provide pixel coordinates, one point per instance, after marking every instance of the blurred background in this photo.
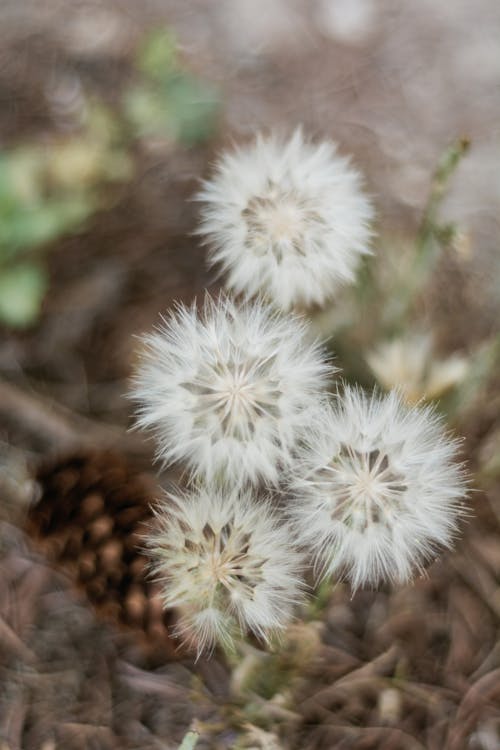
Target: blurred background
(110, 114)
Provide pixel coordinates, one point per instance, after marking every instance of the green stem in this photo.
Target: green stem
(190, 741)
(431, 238)
(446, 166)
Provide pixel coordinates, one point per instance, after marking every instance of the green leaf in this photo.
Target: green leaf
(22, 289)
(192, 106)
(21, 173)
(146, 111)
(31, 227)
(157, 55)
(184, 109)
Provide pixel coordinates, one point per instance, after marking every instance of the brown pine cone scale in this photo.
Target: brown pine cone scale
(89, 522)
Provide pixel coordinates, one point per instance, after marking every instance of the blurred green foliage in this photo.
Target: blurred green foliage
(380, 305)
(33, 212)
(376, 327)
(22, 288)
(48, 190)
(169, 100)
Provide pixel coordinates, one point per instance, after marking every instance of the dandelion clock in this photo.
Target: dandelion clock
(378, 490)
(227, 564)
(287, 219)
(229, 390)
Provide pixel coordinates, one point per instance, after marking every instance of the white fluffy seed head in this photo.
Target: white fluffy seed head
(286, 219)
(229, 390)
(378, 490)
(227, 564)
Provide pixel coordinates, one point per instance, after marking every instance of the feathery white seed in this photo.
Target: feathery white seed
(226, 563)
(286, 219)
(229, 390)
(377, 490)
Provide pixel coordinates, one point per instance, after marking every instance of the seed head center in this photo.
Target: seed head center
(277, 222)
(284, 221)
(366, 484)
(238, 390)
(372, 477)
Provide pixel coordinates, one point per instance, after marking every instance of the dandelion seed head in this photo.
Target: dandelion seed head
(286, 219)
(229, 390)
(226, 563)
(377, 490)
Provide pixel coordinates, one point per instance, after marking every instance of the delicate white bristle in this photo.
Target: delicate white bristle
(286, 219)
(229, 390)
(377, 490)
(226, 563)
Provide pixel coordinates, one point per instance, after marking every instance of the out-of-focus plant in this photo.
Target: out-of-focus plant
(50, 189)
(190, 741)
(433, 236)
(47, 190)
(410, 364)
(168, 100)
(375, 326)
(483, 366)
(380, 305)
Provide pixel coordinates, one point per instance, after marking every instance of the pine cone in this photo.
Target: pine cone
(89, 521)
